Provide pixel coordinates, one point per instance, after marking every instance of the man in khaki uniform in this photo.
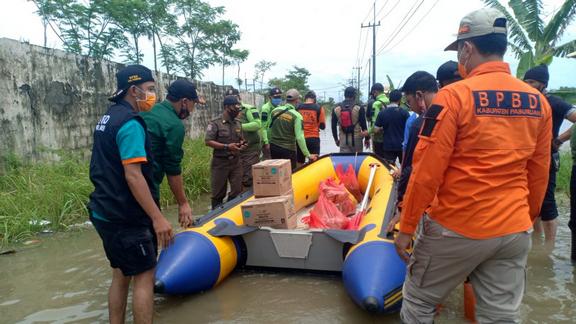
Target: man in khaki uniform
(249, 117)
(224, 135)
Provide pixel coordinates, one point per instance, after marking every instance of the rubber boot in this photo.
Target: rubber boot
(469, 302)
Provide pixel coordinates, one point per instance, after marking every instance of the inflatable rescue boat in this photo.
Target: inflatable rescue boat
(373, 274)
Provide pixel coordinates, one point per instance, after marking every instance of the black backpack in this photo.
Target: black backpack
(370, 109)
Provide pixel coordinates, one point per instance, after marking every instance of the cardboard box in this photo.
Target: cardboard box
(275, 212)
(272, 178)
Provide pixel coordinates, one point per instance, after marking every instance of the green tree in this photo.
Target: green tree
(237, 57)
(130, 16)
(260, 69)
(159, 19)
(297, 78)
(532, 41)
(84, 27)
(202, 37)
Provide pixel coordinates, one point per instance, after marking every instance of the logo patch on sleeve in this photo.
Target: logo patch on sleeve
(507, 104)
(431, 120)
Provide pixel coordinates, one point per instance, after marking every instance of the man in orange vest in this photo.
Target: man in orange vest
(313, 120)
(479, 177)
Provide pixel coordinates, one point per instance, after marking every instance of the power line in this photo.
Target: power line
(382, 8)
(391, 10)
(358, 62)
(368, 14)
(373, 26)
(407, 17)
(401, 26)
(358, 50)
(413, 28)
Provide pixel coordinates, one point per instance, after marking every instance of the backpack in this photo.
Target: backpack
(370, 109)
(346, 120)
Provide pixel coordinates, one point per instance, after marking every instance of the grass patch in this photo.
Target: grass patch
(563, 176)
(58, 192)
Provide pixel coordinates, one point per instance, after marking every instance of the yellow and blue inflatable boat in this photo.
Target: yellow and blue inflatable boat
(204, 255)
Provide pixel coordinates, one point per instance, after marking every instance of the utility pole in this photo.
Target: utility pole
(373, 25)
(369, 84)
(358, 70)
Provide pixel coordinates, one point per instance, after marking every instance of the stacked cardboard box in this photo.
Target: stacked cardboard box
(274, 202)
(272, 178)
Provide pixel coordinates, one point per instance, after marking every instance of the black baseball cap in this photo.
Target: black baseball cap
(232, 92)
(350, 92)
(231, 100)
(448, 71)
(538, 73)
(420, 81)
(129, 76)
(275, 92)
(183, 88)
(377, 87)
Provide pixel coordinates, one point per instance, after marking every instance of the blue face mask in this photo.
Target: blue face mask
(276, 101)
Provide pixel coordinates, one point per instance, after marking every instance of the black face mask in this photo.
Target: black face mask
(233, 113)
(184, 113)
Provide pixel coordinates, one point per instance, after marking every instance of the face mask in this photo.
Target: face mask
(147, 103)
(184, 113)
(233, 113)
(462, 67)
(276, 101)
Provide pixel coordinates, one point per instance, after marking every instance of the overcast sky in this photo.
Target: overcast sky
(325, 37)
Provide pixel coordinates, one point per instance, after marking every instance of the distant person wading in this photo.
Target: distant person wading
(349, 127)
(286, 132)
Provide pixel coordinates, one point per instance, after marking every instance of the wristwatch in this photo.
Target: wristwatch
(226, 147)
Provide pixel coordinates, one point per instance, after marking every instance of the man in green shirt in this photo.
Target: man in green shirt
(249, 117)
(285, 131)
(380, 103)
(166, 130)
(275, 95)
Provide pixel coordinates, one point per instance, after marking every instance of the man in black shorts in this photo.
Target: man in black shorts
(538, 78)
(124, 205)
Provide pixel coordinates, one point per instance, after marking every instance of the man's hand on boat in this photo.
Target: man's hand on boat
(395, 172)
(313, 157)
(367, 142)
(185, 215)
(402, 242)
(163, 231)
(392, 223)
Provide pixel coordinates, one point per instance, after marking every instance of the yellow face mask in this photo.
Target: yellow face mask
(147, 103)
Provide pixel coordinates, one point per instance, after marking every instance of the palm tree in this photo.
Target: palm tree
(531, 40)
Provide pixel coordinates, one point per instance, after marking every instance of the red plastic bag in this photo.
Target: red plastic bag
(325, 214)
(339, 195)
(349, 180)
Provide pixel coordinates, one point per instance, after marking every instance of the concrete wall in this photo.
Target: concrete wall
(50, 100)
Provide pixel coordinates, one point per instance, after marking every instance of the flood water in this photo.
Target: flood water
(64, 279)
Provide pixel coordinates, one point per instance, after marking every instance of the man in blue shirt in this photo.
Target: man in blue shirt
(390, 123)
(124, 204)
